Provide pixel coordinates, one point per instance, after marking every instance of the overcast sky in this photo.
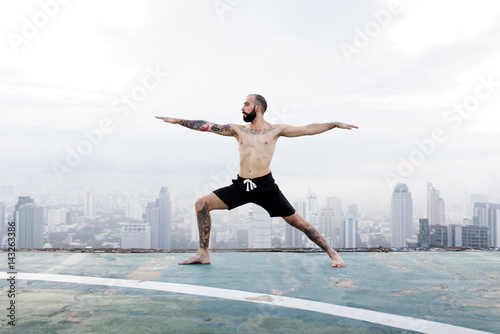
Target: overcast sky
(81, 83)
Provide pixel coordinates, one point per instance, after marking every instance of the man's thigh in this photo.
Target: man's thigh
(214, 202)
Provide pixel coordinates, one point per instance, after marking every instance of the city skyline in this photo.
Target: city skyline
(82, 83)
(356, 229)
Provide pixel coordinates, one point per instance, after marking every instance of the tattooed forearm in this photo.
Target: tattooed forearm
(195, 125)
(223, 129)
(204, 225)
(257, 132)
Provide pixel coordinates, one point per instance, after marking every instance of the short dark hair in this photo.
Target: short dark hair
(261, 101)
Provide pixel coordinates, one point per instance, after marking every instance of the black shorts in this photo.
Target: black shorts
(261, 191)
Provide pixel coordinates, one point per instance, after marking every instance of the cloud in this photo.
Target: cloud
(65, 80)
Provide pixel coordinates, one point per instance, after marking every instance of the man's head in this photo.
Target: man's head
(254, 103)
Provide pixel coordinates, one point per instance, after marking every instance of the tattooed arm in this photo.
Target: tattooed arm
(221, 129)
(312, 129)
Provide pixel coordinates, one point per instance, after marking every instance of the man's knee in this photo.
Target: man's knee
(201, 204)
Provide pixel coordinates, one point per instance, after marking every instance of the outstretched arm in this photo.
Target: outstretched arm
(221, 129)
(313, 129)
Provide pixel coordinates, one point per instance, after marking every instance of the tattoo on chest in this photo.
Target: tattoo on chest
(257, 132)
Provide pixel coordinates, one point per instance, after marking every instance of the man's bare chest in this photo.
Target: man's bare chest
(257, 139)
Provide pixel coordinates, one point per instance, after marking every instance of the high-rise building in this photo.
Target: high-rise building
(350, 228)
(454, 235)
(89, 204)
(2, 221)
(402, 215)
(259, 233)
(423, 233)
(475, 198)
(29, 221)
(136, 234)
(335, 204)
(152, 220)
(312, 207)
(159, 217)
(164, 219)
(326, 225)
(293, 236)
(435, 206)
(311, 215)
(488, 214)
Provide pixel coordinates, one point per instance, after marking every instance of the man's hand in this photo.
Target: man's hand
(341, 125)
(169, 119)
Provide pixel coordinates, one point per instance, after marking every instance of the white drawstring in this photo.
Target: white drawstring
(250, 184)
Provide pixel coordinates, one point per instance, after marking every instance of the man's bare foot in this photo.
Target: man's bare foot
(197, 259)
(337, 261)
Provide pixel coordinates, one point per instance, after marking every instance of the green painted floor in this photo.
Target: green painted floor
(454, 288)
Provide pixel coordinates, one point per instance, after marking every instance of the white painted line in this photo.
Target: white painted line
(386, 319)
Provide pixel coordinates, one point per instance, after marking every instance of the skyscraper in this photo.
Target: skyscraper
(2, 220)
(326, 224)
(164, 219)
(488, 214)
(152, 220)
(335, 204)
(159, 217)
(29, 223)
(435, 206)
(259, 233)
(402, 215)
(312, 207)
(293, 236)
(89, 204)
(350, 227)
(423, 233)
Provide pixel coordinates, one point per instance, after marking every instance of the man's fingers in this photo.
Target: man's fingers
(165, 119)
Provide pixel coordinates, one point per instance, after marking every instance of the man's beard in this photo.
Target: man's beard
(250, 117)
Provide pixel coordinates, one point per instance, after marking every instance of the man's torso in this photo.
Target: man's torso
(256, 149)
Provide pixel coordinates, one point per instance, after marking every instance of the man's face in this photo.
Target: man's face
(249, 117)
(248, 109)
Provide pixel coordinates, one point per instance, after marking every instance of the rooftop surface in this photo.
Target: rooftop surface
(252, 292)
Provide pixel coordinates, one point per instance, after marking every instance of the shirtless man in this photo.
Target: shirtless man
(254, 183)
